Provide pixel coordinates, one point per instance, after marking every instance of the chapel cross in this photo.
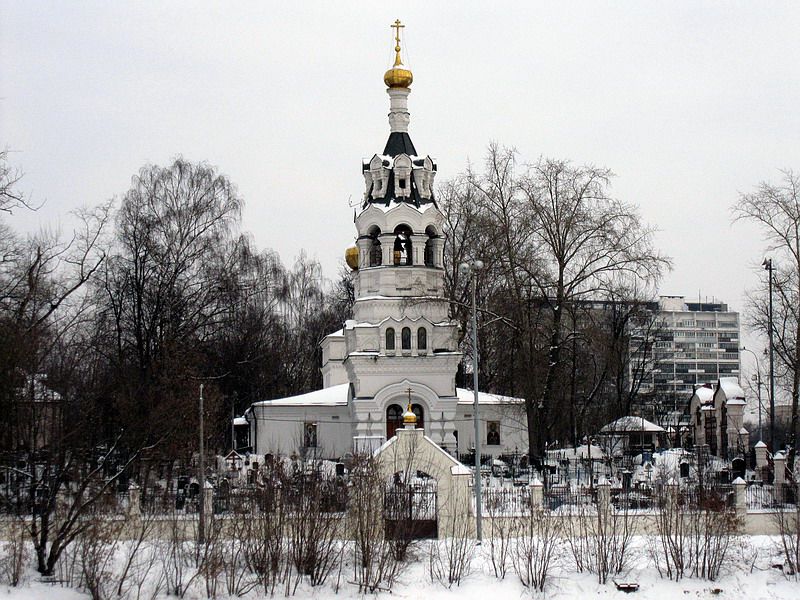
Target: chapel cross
(397, 27)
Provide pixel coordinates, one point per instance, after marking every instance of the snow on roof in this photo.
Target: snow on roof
(468, 397)
(631, 423)
(460, 469)
(704, 394)
(387, 208)
(335, 395)
(731, 388)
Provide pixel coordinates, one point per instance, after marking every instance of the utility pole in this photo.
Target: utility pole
(767, 264)
(233, 419)
(201, 477)
(471, 268)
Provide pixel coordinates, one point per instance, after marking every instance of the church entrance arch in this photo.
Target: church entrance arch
(394, 418)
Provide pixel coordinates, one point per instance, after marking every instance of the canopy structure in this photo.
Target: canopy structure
(631, 424)
(631, 435)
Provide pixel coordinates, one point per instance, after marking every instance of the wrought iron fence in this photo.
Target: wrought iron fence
(506, 501)
(764, 496)
(564, 496)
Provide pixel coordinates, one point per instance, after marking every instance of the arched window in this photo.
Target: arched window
(390, 338)
(402, 245)
(394, 419)
(405, 338)
(430, 258)
(375, 253)
(422, 339)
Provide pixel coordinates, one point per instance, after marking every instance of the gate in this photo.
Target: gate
(410, 510)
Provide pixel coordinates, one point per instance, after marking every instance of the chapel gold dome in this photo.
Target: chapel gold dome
(398, 77)
(409, 418)
(351, 257)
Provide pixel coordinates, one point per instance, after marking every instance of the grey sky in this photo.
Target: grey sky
(687, 102)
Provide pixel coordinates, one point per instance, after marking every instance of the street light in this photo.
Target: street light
(471, 268)
(767, 264)
(758, 383)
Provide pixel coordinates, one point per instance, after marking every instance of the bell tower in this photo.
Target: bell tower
(400, 337)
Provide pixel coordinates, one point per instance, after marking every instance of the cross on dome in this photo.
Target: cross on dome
(409, 418)
(398, 76)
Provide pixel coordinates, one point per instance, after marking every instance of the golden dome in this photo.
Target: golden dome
(351, 257)
(398, 76)
(409, 418)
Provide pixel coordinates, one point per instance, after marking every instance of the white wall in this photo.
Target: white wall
(279, 429)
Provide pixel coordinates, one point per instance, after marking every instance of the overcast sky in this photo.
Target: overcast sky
(689, 103)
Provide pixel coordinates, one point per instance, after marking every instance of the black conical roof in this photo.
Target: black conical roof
(399, 143)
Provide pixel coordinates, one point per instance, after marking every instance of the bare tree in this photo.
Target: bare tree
(584, 241)
(555, 244)
(10, 196)
(775, 208)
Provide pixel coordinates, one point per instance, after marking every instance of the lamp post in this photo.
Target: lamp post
(767, 264)
(471, 268)
(758, 383)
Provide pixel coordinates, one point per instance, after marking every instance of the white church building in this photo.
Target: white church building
(400, 347)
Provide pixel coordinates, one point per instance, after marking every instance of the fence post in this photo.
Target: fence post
(779, 468)
(762, 462)
(603, 494)
(537, 493)
(134, 501)
(208, 501)
(672, 493)
(740, 491)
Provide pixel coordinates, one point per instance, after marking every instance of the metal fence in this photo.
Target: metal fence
(506, 501)
(563, 496)
(765, 496)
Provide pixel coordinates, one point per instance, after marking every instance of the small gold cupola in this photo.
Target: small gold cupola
(398, 76)
(409, 418)
(351, 257)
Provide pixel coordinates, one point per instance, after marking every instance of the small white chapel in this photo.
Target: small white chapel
(400, 348)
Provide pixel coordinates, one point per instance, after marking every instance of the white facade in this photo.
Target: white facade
(400, 347)
(717, 414)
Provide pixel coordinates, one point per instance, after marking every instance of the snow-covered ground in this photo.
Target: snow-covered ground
(750, 574)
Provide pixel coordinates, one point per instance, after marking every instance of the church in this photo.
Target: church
(400, 348)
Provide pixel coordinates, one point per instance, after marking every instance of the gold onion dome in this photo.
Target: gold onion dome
(409, 418)
(398, 76)
(351, 257)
